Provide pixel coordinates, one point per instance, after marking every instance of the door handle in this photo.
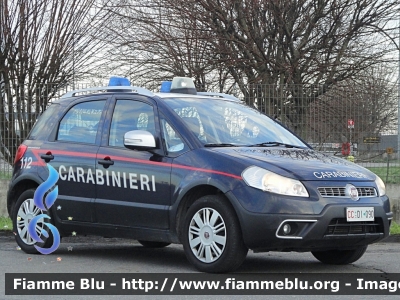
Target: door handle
(47, 157)
(106, 162)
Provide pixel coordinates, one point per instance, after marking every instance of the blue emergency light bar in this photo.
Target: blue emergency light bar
(165, 86)
(181, 85)
(185, 85)
(118, 81)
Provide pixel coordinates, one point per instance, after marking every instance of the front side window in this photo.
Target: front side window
(130, 115)
(81, 122)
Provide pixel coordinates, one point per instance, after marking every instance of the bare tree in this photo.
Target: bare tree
(301, 47)
(44, 46)
(159, 42)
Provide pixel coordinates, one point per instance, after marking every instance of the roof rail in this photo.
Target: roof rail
(134, 89)
(219, 95)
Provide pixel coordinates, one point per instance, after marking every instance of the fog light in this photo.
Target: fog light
(294, 228)
(286, 229)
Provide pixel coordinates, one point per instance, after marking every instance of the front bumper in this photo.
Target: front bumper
(310, 232)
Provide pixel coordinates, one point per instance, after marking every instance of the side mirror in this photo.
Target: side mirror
(139, 140)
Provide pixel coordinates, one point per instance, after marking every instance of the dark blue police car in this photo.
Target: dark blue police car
(200, 169)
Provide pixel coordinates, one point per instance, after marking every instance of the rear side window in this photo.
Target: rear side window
(81, 122)
(45, 123)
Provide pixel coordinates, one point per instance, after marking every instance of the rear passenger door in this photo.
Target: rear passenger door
(74, 149)
(135, 190)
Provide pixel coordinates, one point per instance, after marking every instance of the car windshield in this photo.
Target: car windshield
(228, 123)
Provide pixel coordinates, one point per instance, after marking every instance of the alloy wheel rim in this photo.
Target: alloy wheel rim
(26, 212)
(207, 235)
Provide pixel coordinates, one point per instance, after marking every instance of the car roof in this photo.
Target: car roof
(122, 85)
(108, 89)
(204, 95)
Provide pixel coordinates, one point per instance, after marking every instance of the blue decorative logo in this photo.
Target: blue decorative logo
(44, 197)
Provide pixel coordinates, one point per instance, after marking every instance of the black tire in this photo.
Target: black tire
(22, 237)
(339, 257)
(214, 248)
(151, 244)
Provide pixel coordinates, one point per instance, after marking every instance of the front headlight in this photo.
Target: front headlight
(271, 182)
(381, 186)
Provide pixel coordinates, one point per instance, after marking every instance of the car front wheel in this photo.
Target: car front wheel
(340, 257)
(212, 238)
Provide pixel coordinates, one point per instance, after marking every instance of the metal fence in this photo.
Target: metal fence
(358, 123)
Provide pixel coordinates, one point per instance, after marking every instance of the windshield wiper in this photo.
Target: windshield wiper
(222, 145)
(272, 144)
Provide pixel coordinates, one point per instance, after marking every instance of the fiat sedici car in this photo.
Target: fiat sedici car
(199, 169)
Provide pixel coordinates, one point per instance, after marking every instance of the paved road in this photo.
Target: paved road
(100, 255)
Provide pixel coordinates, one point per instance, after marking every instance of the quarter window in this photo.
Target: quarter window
(172, 140)
(45, 123)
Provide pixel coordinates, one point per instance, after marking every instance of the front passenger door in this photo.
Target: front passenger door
(135, 190)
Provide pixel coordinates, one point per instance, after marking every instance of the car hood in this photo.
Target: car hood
(301, 164)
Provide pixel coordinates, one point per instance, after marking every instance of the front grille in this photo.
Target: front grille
(366, 192)
(332, 192)
(342, 227)
(341, 192)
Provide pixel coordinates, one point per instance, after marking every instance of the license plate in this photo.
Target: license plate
(355, 214)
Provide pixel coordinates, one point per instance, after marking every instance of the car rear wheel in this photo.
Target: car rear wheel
(24, 211)
(151, 244)
(212, 238)
(340, 257)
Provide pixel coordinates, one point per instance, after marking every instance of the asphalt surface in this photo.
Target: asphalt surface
(97, 239)
(91, 254)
